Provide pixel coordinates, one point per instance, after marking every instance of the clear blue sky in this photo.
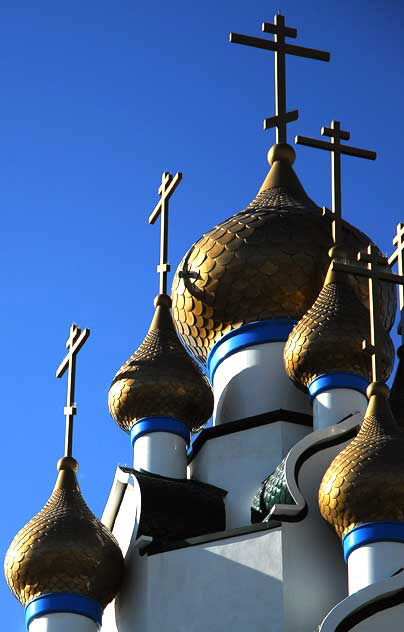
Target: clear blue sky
(98, 98)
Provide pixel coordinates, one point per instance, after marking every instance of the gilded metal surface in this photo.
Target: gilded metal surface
(397, 390)
(268, 261)
(160, 379)
(329, 336)
(64, 548)
(365, 482)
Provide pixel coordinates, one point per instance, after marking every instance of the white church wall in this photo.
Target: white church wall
(231, 584)
(314, 568)
(253, 381)
(239, 461)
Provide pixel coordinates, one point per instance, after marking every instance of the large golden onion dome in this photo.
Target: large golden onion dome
(160, 379)
(64, 548)
(365, 482)
(268, 261)
(329, 337)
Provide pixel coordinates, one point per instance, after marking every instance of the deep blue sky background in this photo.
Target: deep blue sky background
(98, 98)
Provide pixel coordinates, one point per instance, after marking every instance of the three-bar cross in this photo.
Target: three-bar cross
(74, 343)
(375, 272)
(168, 185)
(337, 149)
(281, 49)
(398, 257)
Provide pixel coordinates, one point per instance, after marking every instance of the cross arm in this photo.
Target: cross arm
(168, 192)
(343, 149)
(336, 266)
(76, 348)
(291, 49)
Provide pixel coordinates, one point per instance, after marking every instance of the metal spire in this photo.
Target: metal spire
(168, 185)
(336, 149)
(74, 343)
(281, 49)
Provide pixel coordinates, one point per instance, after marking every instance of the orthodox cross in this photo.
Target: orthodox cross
(375, 272)
(74, 343)
(168, 185)
(336, 148)
(398, 257)
(281, 49)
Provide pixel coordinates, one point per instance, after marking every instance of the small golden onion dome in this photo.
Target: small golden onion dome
(64, 548)
(365, 482)
(268, 261)
(329, 337)
(397, 390)
(160, 379)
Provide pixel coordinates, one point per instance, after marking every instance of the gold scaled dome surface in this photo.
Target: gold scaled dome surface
(64, 548)
(161, 379)
(329, 337)
(268, 261)
(365, 482)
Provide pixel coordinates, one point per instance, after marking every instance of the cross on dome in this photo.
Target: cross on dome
(375, 272)
(74, 343)
(398, 257)
(337, 149)
(168, 185)
(281, 49)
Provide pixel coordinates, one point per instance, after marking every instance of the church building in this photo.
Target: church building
(286, 514)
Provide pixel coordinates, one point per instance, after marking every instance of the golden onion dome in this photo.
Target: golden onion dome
(328, 339)
(64, 548)
(397, 390)
(268, 261)
(365, 482)
(160, 379)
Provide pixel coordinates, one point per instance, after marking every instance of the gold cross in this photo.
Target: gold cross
(336, 149)
(281, 49)
(168, 185)
(74, 343)
(398, 257)
(375, 274)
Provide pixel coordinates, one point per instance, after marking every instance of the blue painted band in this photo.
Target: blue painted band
(369, 532)
(147, 425)
(257, 333)
(331, 381)
(63, 602)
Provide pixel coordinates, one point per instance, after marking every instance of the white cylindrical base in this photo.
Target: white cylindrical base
(331, 407)
(374, 562)
(253, 381)
(63, 622)
(162, 453)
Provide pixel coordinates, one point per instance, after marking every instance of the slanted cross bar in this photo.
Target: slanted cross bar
(168, 185)
(375, 272)
(281, 49)
(74, 343)
(337, 149)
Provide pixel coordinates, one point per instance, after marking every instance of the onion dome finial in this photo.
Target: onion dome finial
(160, 379)
(265, 262)
(328, 339)
(64, 548)
(364, 483)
